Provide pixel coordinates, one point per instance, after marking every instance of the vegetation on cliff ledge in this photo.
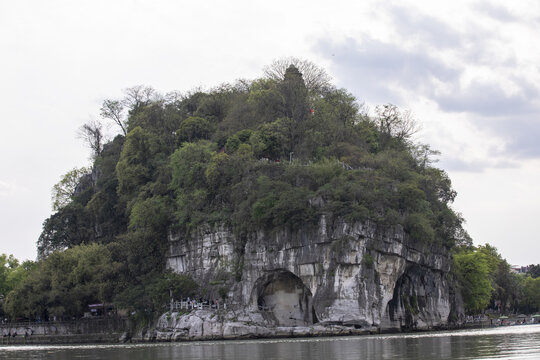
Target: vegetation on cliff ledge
(274, 152)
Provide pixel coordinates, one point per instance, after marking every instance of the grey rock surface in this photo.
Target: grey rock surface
(331, 278)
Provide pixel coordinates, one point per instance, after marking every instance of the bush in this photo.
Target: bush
(419, 228)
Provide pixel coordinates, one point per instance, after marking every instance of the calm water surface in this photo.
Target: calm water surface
(517, 342)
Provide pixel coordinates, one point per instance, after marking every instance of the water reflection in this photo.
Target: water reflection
(520, 342)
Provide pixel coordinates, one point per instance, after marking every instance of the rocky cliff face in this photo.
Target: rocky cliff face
(355, 275)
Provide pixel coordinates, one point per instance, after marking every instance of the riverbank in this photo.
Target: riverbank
(204, 325)
(200, 325)
(83, 331)
(64, 339)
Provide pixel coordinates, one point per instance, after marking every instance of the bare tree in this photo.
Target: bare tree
(316, 78)
(92, 134)
(396, 123)
(135, 97)
(139, 95)
(115, 110)
(424, 155)
(173, 97)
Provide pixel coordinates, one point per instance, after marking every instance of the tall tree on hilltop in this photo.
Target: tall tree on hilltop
(316, 79)
(114, 110)
(295, 96)
(294, 92)
(135, 98)
(396, 123)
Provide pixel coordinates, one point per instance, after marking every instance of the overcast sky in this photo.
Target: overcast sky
(468, 70)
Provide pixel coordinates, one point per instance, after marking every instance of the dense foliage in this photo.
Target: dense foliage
(268, 153)
(12, 273)
(487, 281)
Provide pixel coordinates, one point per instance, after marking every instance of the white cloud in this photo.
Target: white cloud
(501, 208)
(10, 189)
(467, 67)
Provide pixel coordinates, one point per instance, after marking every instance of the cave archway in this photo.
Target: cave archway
(283, 296)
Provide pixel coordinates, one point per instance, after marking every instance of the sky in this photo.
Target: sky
(469, 71)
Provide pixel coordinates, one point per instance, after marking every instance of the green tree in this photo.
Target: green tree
(266, 100)
(534, 271)
(216, 105)
(531, 294)
(65, 283)
(19, 274)
(160, 119)
(70, 226)
(193, 129)
(141, 154)
(64, 191)
(294, 93)
(419, 228)
(8, 264)
(508, 289)
(152, 215)
(473, 273)
(189, 163)
(274, 140)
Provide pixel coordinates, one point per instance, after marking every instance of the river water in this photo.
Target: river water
(515, 342)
